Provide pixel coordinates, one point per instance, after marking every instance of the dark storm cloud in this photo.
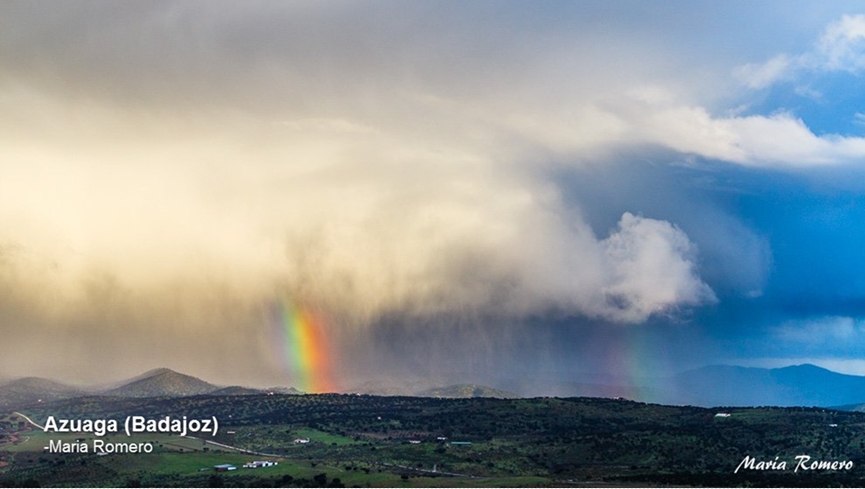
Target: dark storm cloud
(168, 170)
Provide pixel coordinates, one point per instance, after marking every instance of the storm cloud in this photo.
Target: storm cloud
(168, 170)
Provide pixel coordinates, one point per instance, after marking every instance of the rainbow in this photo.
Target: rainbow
(641, 365)
(303, 347)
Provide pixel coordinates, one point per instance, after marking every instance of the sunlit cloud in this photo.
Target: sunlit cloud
(167, 171)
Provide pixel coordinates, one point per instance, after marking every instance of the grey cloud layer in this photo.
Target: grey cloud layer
(368, 183)
(368, 159)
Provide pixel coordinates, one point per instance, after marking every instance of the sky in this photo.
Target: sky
(549, 190)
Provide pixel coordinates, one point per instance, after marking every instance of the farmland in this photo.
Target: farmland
(370, 441)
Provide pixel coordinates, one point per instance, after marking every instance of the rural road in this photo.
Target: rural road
(29, 420)
(243, 450)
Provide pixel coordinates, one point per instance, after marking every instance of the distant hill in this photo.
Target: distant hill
(31, 390)
(719, 385)
(283, 390)
(163, 382)
(859, 408)
(467, 391)
(160, 382)
(395, 386)
(236, 390)
(798, 385)
(145, 375)
(543, 387)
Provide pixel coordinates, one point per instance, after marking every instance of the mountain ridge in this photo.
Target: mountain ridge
(158, 382)
(712, 385)
(792, 385)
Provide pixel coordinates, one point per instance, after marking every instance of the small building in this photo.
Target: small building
(722, 415)
(414, 442)
(298, 441)
(259, 463)
(224, 467)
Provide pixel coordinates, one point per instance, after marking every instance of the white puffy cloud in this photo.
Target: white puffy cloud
(842, 45)
(653, 269)
(784, 139)
(779, 140)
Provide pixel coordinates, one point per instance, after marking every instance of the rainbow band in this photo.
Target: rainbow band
(304, 348)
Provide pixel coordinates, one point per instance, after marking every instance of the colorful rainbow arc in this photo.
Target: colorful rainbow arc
(304, 348)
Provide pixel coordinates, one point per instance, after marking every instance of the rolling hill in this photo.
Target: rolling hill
(236, 390)
(395, 386)
(542, 388)
(719, 385)
(467, 391)
(163, 382)
(798, 385)
(160, 382)
(284, 390)
(29, 390)
(429, 387)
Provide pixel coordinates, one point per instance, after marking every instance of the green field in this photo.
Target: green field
(367, 441)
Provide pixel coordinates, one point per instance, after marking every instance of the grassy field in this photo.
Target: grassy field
(181, 460)
(367, 441)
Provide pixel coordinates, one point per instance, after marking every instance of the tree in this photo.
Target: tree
(321, 479)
